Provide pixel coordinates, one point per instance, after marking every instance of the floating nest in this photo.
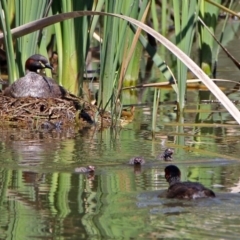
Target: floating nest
(51, 113)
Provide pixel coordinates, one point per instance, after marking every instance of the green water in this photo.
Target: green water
(42, 197)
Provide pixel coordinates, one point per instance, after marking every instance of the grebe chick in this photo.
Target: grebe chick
(137, 161)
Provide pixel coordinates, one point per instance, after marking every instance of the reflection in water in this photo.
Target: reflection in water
(112, 204)
(48, 204)
(236, 188)
(43, 196)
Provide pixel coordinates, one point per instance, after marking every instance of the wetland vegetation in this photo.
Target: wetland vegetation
(159, 59)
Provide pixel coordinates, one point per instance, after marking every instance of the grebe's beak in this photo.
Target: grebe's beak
(47, 65)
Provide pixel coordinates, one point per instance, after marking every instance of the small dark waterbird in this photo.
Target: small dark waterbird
(137, 161)
(166, 155)
(184, 190)
(33, 84)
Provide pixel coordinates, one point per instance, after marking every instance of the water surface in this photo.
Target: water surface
(42, 196)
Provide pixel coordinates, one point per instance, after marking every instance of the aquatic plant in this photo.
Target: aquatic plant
(111, 60)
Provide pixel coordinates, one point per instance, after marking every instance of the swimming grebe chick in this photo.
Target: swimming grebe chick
(137, 161)
(166, 155)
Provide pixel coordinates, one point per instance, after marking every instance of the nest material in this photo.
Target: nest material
(45, 112)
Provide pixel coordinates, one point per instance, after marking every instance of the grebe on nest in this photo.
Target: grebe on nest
(34, 84)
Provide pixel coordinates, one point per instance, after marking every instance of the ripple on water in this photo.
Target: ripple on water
(207, 217)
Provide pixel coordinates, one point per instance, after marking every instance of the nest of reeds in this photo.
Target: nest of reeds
(48, 113)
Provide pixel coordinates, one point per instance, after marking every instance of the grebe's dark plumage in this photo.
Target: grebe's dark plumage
(37, 62)
(34, 84)
(189, 190)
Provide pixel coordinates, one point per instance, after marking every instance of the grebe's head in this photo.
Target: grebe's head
(37, 62)
(172, 173)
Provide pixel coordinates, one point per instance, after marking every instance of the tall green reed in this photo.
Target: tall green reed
(209, 15)
(5, 17)
(190, 64)
(27, 11)
(72, 43)
(185, 15)
(117, 41)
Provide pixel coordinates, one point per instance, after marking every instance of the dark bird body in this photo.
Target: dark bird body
(34, 84)
(181, 190)
(166, 155)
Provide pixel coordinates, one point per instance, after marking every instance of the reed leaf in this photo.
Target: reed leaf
(223, 8)
(234, 60)
(5, 23)
(184, 19)
(35, 25)
(156, 58)
(27, 11)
